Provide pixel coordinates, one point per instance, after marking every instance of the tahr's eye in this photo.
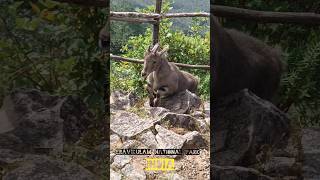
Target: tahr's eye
(154, 62)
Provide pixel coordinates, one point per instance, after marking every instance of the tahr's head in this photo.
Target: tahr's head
(152, 60)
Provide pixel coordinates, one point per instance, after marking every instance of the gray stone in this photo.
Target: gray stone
(181, 103)
(172, 176)
(180, 120)
(115, 175)
(131, 144)
(41, 123)
(311, 153)
(112, 155)
(127, 124)
(44, 168)
(243, 123)
(207, 108)
(148, 139)
(115, 140)
(194, 140)
(131, 172)
(119, 161)
(203, 127)
(120, 100)
(167, 139)
(282, 166)
(237, 173)
(157, 112)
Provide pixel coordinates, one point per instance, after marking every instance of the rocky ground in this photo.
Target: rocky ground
(134, 124)
(255, 140)
(52, 137)
(48, 137)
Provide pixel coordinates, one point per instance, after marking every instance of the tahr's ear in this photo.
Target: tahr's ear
(164, 50)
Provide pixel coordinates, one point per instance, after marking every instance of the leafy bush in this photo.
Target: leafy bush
(193, 48)
(52, 47)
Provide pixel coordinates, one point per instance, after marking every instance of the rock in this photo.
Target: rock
(207, 108)
(132, 172)
(36, 121)
(207, 120)
(41, 123)
(167, 139)
(127, 124)
(180, 120)
(311, 153)
(99, 152)
(119, 161)
(148, 139)
(181, 102)
(237, 173)
(243, 123)
(121, 101)
(115, 175)
(8, 156)
(115, 141)
(44, 168)
(171, 176)
(131, 144)
(203, 127)
(112, 155)
(157, 112)
(282, 166)
(76, 118)
(194, 140)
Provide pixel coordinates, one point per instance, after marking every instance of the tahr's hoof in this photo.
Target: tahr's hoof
(156, 102)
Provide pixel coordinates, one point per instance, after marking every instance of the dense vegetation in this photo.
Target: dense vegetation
(188, 48)
(53, 47)
(300, 88)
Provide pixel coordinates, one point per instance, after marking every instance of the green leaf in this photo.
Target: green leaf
(35, 8)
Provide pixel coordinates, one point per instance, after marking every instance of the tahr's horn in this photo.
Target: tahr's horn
(155, 48)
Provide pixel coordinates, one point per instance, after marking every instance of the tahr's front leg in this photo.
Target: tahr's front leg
(160, 93)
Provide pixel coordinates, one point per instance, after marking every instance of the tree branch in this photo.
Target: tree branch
(137, 61)
(266, 16)
(95, 3)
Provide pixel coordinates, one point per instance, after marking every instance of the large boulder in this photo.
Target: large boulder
(120, 100)
(237, 173)
(26, 167)
(243, 123)
(168, 139)
(311, 153)
(182, 102)
(128, 125)
(42, 122)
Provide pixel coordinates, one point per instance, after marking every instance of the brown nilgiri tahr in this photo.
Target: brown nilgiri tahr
(241, 61)
(164, 78)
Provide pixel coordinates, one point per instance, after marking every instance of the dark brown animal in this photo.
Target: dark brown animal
(241, 61)
(164, 78)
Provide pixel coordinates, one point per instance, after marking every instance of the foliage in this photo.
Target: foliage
(121, 31)
(190, 48)
(52, 47)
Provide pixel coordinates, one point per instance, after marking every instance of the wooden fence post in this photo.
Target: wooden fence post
(156, 26)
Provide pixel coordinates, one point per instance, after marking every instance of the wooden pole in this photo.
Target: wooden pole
(156, 26)
(133, 20)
